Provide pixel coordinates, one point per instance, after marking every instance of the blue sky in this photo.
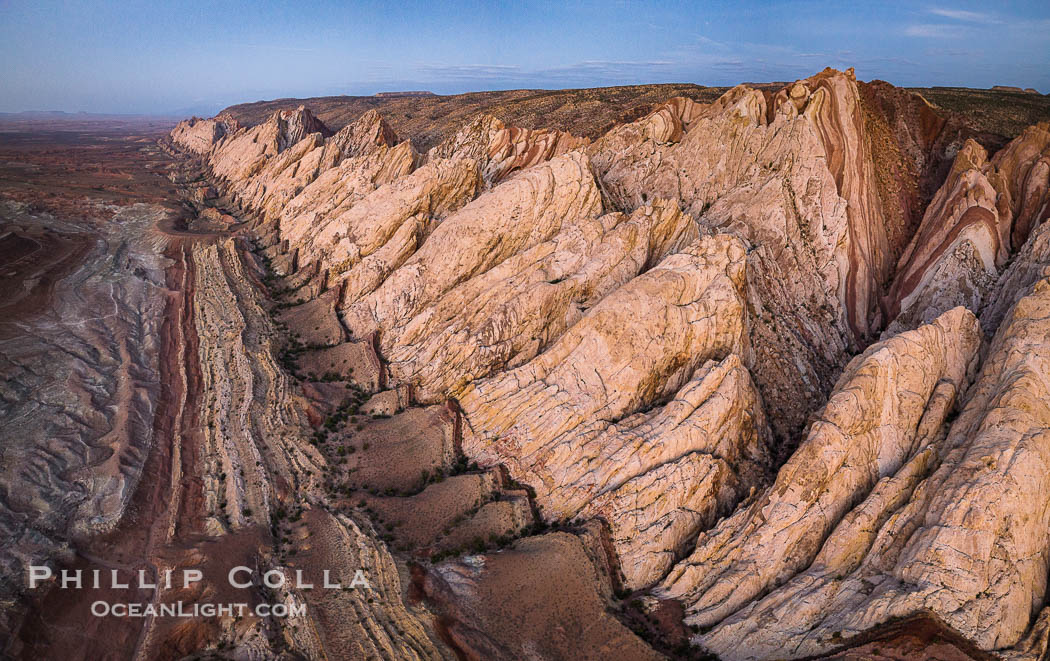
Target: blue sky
(196, 56)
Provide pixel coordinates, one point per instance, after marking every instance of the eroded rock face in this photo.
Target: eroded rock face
(1031, 264)
(926, 536)
(508, 314)
(789, 175)
(500, 150)
(549, 421)
(79, 329)
(984, 211)
(200, 135)
(888, 405)
(387, 224)
(740, 140)
(525, 211)
(639, 331)
(243, 154)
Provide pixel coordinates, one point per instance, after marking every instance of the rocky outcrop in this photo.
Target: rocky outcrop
(874, 442)
(741, 143)
(569, 433)
(248, 463)
(270, 190)
(508, 314)
(957, 249)
(513, 217)
(500, 150)
(380, 231)
(337, 189)
(361, 622)
(1029, 265)
(927, 533)
(243, 154)
(792, 175)
(888, 405)
(984, 211)
(629, 336)
(199, 136)
(685, 465)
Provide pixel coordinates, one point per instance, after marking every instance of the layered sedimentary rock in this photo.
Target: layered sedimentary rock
(929, 535)
(244, 153)
(685, 465)
(334, 191)
(250, 409)
(506, 315)
(742, 134)
(359, 623)
(513, 217)
(500, 150)
(629, 336)
(959, 238)
(1028, 266)
(791, 176)
(562, 422)
(271, 189)
(985, 210)
(199, 136)
(379, 232)
(80, 386)
(868, 430)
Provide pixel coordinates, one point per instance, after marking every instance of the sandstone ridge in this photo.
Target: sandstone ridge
(779, 357)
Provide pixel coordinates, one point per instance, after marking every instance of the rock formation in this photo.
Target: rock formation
(765, 375)
(638, 328)
(985, 211)
(873, 442)
(500, 150)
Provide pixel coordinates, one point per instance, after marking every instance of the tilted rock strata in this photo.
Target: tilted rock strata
(983, 212)
(283, 177)
(961, 219)
(240, 156)
(739, 141)
(763, 175)
(1030, 265)
(930, 534)
(337, 189)
(500, 150)
(357, 623)
(249, 464)
(200, 135)
(984, 577)
(508, 314)
(513, 217)
(692, 461)
(551, 421)
(623, 364)
(968, 543)
(869, 429)
(1023, 168)
(413, 204)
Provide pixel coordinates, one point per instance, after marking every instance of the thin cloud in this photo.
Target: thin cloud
(585, 70)
(935, 31)
(967, 16)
